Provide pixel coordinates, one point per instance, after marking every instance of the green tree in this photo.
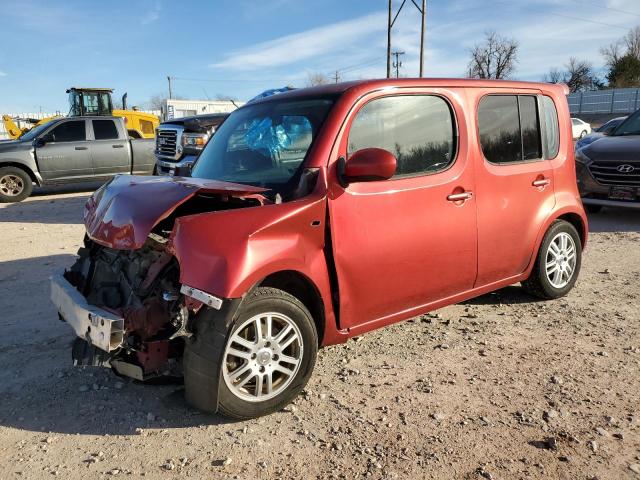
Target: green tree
(625, 72)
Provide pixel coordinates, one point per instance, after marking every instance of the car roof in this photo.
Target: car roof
(375, 84)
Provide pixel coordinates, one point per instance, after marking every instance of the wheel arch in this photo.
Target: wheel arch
(578, 223)
(304, 289)
(23, 167)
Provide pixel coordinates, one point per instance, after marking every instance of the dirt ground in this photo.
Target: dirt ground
(500, 387)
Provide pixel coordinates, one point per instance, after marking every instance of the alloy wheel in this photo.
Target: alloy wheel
(262, 357)
(560, 262)
(11, 185)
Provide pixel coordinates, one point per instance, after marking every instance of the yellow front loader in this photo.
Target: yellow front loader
(94, 101)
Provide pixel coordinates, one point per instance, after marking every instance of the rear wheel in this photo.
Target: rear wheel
(15, 184)
(583, 134)
(557, 264)
(266, 357)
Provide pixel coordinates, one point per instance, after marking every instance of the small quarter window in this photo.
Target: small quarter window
(418, 129)
(509, 128)
(551, 128)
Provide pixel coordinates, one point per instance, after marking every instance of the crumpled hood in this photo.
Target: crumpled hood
(122, 213)
(614, 148)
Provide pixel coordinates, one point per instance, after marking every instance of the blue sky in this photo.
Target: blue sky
(241, 47)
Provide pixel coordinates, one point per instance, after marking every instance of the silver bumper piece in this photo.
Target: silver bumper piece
(99, 327)
(204, 297)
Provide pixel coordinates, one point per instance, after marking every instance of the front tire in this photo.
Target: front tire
(15, 185)
(557, 264)
(266, 357)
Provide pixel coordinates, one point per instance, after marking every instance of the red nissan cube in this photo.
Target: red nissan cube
(319, 214)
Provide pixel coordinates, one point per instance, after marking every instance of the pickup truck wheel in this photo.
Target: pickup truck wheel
(557, 264)
(15, 184)
(267, 356)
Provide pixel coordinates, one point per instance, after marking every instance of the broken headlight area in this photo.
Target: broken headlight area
(141, 286)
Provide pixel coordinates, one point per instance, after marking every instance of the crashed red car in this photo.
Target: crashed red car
(319, 214)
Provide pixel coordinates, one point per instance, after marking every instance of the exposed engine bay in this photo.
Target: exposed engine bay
(142, 286)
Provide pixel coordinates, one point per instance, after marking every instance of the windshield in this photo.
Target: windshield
(631, 126)
(265, 144)
(35, 131)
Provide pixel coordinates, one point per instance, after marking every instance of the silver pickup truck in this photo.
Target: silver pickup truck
(71, 149)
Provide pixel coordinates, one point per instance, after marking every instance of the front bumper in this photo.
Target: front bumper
(594, 193)
(164, 167)
(97, 326)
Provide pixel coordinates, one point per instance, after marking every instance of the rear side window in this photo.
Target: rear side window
(73, 131)
(551, 128)
(105, 130)
(509, 128)
(418, 129)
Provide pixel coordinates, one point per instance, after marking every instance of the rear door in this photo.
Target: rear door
(65, 155)
(514, 183)
(110, 148)
(401, 243)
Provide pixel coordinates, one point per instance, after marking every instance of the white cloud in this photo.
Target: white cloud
(152, 15)
(3, 74)
(305, 45)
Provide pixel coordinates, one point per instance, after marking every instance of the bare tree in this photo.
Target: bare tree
(612, 53)
(632, 42)
(496, 57)
(554, 76)
(316, 78)
(627, 45)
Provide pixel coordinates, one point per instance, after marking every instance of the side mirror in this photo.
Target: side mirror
(367, 165)
(39, 142)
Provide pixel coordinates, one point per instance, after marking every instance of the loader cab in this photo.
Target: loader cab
(90, 101)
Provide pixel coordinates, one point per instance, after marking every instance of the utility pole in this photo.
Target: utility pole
(423, 12)
(397, 64)
(389, 25)
(391, 21)
(336, 76)
(169, 80)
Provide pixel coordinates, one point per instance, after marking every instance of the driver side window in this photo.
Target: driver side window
(418, 129)
(73, 131)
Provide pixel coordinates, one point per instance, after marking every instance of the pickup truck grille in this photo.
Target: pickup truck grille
(616, 173)
(166, 142)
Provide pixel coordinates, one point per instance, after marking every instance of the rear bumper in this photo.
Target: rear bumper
(98, 327)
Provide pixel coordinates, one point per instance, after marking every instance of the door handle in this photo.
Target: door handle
(117, 146)
(541, 183)
(81, 148)
(460, 197)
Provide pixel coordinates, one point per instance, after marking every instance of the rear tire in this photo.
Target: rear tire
(593, 208)
(557, 264)
(15, 185)
(240, 363)
(583, 134)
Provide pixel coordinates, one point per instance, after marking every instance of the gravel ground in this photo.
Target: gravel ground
(503, 386)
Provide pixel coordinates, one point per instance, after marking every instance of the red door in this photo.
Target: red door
(401, 243)
(514, 185)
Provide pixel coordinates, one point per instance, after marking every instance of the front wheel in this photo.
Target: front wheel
(557, 264)
(15, 185)
(267, 356)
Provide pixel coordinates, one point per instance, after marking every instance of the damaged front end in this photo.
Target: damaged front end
(123, 295)
(141, 287)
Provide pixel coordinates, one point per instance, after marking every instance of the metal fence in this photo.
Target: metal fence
(615, 100)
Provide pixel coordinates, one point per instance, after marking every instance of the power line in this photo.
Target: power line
(627, 12)
(571, 17)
